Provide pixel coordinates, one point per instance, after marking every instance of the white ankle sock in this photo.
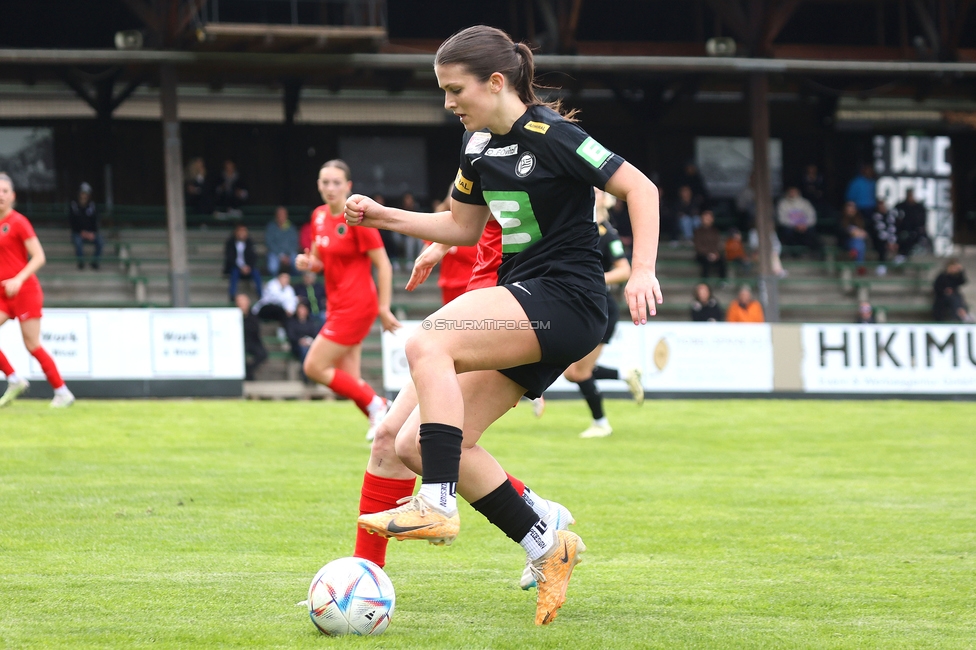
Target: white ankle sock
(537, 503)
(602, 422)
(376, 403)
(13, 379)
(62, 391)
(440, 496)
(540, 539)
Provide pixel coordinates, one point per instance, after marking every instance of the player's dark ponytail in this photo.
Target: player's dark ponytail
(484, 50)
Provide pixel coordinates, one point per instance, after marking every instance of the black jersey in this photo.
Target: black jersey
(537, 180)
(611, 248)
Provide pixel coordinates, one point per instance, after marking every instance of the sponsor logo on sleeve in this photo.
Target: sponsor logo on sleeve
(593, 152)
(617, 248)
(525, 165)
(500, 152)
(463, 184)
(477, 143)
(536, 127)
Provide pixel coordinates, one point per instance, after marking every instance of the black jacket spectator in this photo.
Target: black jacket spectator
(704, 306)
(254, 351)
(301, 331)
(230, 254)
(949, 306)
(910, 224)
(83, 218)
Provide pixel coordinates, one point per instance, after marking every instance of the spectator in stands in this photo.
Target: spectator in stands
(230, 192)
(281, 240)
(735, 252)
(313, 293)
(708, 246)
(812, 186)
(692, 178)
(949, 305)
(301, 330)
(797, 218)
(862, 191)
(704, 306)
(240, 260)
(884, 233)
(83, 217)
(278, 301)
(745, 308)
(411, 245)
(687, 210)
(910, 225)
(254, 351)
(854, 234)
(196, 193)
(865, 313)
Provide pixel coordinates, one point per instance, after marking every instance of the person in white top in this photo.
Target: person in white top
(278, 301)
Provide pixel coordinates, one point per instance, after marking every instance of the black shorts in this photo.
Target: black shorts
(613, 315)
(568, 320)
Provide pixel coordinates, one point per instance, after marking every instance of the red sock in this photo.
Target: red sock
(5, 366)
(355, 389)
(378, 494)
(517, 484)
(49, 367)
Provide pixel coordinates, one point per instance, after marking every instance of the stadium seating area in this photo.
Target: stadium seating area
(135, 268)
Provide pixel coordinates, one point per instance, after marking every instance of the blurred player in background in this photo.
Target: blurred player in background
(346, 255)
(21, 297)
(616, 270)
(533, 170)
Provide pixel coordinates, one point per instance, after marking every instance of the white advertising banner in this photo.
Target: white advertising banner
(673, 357)
(109, 344)
(935, 359)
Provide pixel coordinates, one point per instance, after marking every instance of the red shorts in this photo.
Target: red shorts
(482, 281)
(26, 304)
(348, 328)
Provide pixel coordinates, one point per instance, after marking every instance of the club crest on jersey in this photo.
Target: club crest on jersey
(500, 152)
(525, 165)
(342, 229)
(5, 228)
(478, 142)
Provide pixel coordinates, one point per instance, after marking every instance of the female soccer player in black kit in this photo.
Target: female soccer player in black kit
(533, 170)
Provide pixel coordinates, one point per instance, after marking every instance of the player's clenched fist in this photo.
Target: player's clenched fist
(360, 209)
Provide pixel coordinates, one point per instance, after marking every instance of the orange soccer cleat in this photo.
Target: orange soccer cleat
(415, 519)
(552, 573)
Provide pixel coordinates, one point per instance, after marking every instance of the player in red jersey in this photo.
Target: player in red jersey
(388, 481)
(21, 297)
(346, 255)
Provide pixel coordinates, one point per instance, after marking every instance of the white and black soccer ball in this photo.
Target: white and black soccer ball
(351, 596)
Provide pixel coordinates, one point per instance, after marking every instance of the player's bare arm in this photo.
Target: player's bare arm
(643, 291)
(461, 226)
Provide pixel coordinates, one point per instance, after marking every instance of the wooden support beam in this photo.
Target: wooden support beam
(146, 14)
(777, 20)
(758, 92)
(179, 268)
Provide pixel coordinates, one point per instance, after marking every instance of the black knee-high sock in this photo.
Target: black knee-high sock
(602, 372)
(594, 398)
(504, 508)
(440, 452)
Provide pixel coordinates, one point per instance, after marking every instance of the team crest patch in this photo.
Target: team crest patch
(342, 229)
(477, 143)
(5, 228)
(525, 165)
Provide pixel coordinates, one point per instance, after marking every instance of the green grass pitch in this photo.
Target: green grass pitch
(709, 524)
